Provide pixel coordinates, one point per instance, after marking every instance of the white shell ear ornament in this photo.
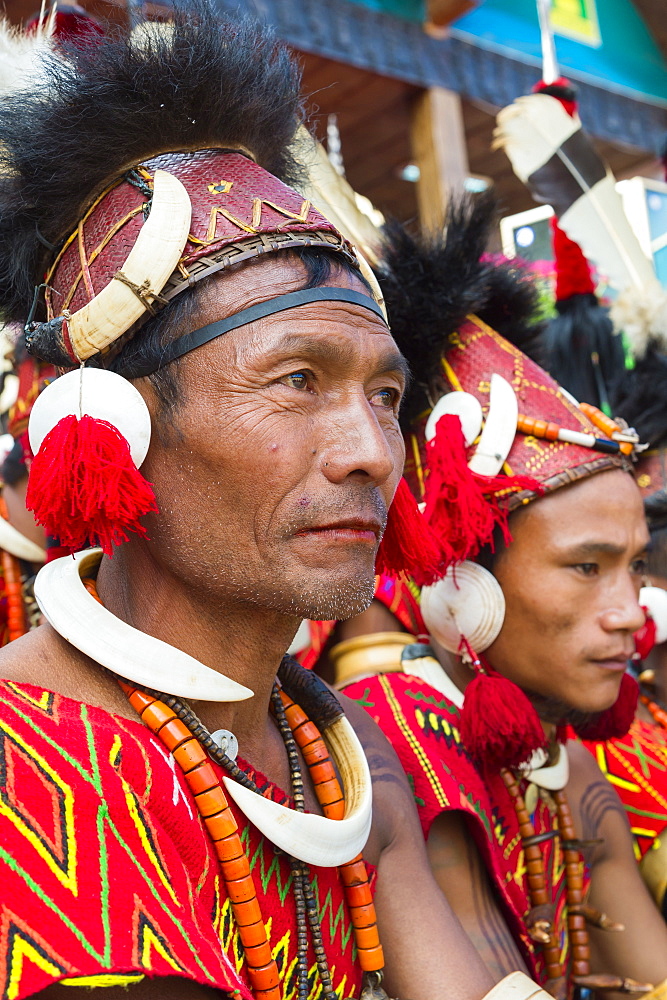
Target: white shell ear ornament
(655, 599)
(90, 431)
(467, 603)
(465, 612)
(97, 393)
(133, 655)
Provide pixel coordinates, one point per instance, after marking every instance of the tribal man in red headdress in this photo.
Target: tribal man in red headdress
(530, 629)
(636, 763)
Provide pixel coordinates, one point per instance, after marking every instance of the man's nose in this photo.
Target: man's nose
(624, 612)
(357, 445)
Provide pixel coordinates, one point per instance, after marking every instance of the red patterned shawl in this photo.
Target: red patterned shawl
(636, 766)
(106, 869)
(422, 725)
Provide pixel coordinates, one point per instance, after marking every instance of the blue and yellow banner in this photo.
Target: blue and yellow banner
(604, 42)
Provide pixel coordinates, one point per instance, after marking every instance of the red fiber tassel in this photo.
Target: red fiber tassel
(616, 721)
(573, 272)
(560, 87)
(499, 725)
(84, 487)
(645, 636)
(408, 545)
(460, 505)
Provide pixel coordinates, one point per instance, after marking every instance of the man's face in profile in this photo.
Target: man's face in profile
(285, 453)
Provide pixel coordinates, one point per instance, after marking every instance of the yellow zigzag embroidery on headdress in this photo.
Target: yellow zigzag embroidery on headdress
(251, 227)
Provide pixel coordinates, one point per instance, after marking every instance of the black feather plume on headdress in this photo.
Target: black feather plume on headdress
(195, 84)
(640, 397)
(585, 356)
(431, 283)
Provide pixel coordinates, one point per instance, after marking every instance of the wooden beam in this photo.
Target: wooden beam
(439, 150)
(441, 12)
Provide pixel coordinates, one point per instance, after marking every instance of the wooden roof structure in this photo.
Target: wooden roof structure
(388, 81)
(372, 71)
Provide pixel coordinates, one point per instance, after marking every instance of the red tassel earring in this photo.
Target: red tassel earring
(89, 431)
(616, 721)
(408, 545)
(645, 638)
(499, 725)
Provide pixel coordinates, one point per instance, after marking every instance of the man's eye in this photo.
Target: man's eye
(639, 567)
(587, 569)
(387, 398)
(297, 380)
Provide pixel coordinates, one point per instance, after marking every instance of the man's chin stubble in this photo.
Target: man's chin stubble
(318, 602)
(339, 603)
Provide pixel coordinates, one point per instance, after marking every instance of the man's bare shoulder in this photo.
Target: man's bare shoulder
(592, 798)
(391, 791)
(584, 769)
(46, 660)
(382, 758)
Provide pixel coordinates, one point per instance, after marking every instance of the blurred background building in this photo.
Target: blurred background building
(408, 89)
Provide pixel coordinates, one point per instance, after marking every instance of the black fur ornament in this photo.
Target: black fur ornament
(585, 356)
(432, 283)
(195, 83)
(640, 397)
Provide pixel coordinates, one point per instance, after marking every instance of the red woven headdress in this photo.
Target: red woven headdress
(476, 352)
(238, 211)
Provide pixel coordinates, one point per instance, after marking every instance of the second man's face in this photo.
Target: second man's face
(571, 580)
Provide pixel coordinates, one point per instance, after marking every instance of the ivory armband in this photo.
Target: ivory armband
(518, 986)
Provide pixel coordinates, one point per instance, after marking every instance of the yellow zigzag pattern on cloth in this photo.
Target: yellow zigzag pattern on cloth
(13, 750)
(24, 948)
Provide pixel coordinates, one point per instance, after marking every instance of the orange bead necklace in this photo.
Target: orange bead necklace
(190, 744)
(658, 714)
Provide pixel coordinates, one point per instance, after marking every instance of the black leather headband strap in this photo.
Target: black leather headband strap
(189, 341)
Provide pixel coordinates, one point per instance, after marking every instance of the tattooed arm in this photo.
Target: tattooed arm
(640, 951)
(428, 954)
(460, 873)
